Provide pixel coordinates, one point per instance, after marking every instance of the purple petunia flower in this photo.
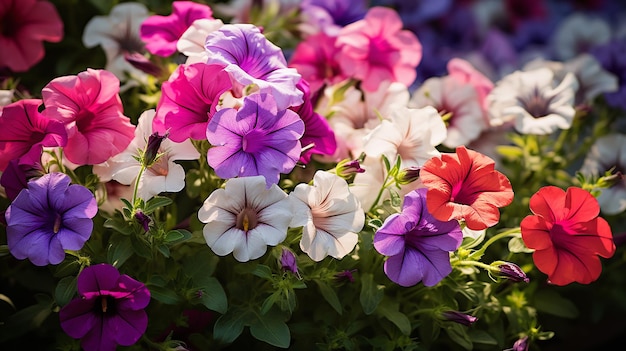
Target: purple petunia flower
(109, 310)
(331, 15)
(417, 243)
(48, 217)
(250, 58)
(257, 139)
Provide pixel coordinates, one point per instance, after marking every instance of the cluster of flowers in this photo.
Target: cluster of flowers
(347, 150)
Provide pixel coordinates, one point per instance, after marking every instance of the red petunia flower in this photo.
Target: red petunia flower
(567, 235)
(465, 186)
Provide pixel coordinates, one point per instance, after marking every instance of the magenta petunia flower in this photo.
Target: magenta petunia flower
(257, 139)
(161, 33)
(24, 132)
(250, 58)
(189, 99)
(317, 131)
(418, 245)
(109, 310)
(315, 58)
(24, 26)
(48, 217)
(91, 108)
(376, 49)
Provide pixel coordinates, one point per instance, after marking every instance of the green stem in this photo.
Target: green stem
(386, 184)
(476, 264)
(135, 190)
(478, 253)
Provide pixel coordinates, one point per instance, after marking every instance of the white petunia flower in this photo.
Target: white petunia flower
(163, 176)
(534, 101)
(118, 34)
(333, 219)
(245, 217)
(458, 100)
(609, 152)
(578, 33)
(191, 43)
(412, 133)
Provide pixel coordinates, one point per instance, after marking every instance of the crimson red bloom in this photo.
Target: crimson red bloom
(465, 186)
(567, 235)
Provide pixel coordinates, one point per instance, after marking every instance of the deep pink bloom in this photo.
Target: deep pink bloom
(161, 33)
(24, 26)
(91, 109)
(315, 58)
(317, 131)
(24, 132)
(249, 58)
(109, 310)
(376, 49)
(257, 139)
(188, 100)
(465, 73)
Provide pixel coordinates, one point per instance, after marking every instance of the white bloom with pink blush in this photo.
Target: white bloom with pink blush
(535, 102)
(191, 43)
(164, 175)
(578, 33)
(245, 217)
(411, 133)
(333, 217)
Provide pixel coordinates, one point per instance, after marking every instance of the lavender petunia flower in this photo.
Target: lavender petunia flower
(417, 243)
(330, 15)
(257, 139)
(250, 58)
(109, 310)
(48, 217)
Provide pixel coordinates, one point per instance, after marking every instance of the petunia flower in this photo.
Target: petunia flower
(24, 132)
(257, 139)
(191, 42)
(250, 58)
(567, 235)
(376, 49)
(189, 100)
(418, 245)
(465, 186)
(118, 35)
(411, 133)
(329, 16)
(534, 101)
(164, 175)
(48, 217)
(109, 310)
(245, 217)
(161, 33)
(332, 219)
(26, 24)
(608, 152)
(316, 59)
(90, 107)
(578, 33)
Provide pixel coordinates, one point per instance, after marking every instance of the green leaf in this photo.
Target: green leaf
(329, 295)
(458, 334)
(4, 250)
(272, 329)
(269, 302)
(263, 271)
(391, 311)
(27, 319)
(516, 245)
(156, 202)
(177, 236)
(478, 336)
(65, 290)
(119, 251)
(213, 294)
(164, 295)
(551, 302)
(118, 225)
(140, 246)
(371, 294)
(67, 267)
(510, 152)
(164, 250)
(230, 325)
(200, 264)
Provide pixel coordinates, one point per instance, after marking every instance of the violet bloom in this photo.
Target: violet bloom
(24, 132)
(189, 99)
(330, 16)
(161, 33)
(250, 58)
(15, 178)
(109, 310)
(48, 217)
(512, 272)
(417, 244)
(610, 56)
(288, 262)
(257, 139)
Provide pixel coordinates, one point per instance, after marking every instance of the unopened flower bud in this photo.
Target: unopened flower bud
(142, 63)
(346, 275)
(522, 344)
(144, 220)
(408, 175)
(512, 272)
(288, 262)
(152, 149)
(347, 168)
(459, 317)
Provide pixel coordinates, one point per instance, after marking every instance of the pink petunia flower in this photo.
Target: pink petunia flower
(24, 26)
(24, 132)
(376, 49)
(315, 58)
(189, 99)
(161, 33)
(91, 109)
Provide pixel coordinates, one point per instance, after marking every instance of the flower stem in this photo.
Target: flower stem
(136, 188)
(510, 232)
